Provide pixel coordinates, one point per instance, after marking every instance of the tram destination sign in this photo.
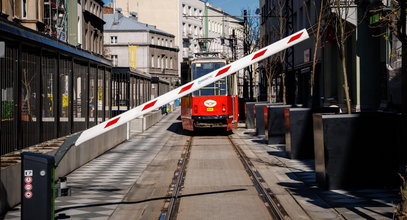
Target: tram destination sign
(182, 91)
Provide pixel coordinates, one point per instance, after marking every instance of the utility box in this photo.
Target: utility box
(37, 186)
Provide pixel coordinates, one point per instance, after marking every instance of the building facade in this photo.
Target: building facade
(365, 54)
(130, 43)
(191, 24)
(79, 23)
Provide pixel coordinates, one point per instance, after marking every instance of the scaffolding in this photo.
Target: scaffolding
(55, 18)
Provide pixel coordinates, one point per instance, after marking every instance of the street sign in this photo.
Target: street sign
(374, 18)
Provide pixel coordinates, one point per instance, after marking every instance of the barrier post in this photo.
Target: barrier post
(37, 186)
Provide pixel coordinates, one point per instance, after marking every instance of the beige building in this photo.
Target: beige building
(29, 13)
(129, 43)
(181, 18)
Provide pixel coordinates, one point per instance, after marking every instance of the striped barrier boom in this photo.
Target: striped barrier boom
(182, 91)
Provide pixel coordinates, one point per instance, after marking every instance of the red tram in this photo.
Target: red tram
(215, 105)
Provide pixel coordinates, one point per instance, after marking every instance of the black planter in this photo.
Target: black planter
(261, 112)
(357, 150)
(276, 129)
(251, 114)
(299, 140)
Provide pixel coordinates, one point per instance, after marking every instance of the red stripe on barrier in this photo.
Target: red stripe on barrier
(259, 54)
(222, 71)
(112, 122)
(293, 38)
(149, 105)
(186, 88)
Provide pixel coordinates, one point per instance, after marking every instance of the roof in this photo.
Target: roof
(119, 22)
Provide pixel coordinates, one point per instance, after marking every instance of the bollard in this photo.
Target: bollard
(37, 186)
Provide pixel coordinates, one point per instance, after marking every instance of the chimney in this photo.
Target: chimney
(133, 15)
(117, 16)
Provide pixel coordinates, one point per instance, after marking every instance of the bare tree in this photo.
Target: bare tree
(251, 40)
(318, 30)
(273, 66)
(343, 12)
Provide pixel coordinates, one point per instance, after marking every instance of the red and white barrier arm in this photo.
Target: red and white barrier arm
(191, 87)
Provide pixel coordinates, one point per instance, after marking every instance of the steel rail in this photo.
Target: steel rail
(172, 204)
(273, 205)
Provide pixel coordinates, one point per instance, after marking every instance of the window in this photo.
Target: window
(184, 28)
(114, 60)
(158, 41)
(195, 30)
(184, 9)
(171, 63)
(152, 61)
(171, 43)
(216, 88)
(190, 11)
(113, 39)
(24, 8)
(152, 40)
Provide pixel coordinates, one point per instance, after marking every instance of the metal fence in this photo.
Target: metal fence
(131, 87)
(50, 89)
(47, 91)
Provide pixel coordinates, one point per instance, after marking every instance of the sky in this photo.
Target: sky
(234, 7)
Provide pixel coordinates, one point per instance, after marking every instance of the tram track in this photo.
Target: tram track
(273, 205)
(171, 205)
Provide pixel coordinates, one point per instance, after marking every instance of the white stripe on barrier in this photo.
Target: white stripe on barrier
(192, 86)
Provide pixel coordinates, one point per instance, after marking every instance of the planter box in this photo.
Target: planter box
(276, 129)
(260, 117)
(251, 114)
(299, 139)
(357, 150)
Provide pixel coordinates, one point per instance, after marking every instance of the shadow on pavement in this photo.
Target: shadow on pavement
(142, 201)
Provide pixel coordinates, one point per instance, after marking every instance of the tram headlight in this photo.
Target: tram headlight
(223, 108)
(195, 108)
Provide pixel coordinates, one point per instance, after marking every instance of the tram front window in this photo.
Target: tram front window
(214, 89)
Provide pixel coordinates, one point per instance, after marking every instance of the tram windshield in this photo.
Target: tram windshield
(214, 89)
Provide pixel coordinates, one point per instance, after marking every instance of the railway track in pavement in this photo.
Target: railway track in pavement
(209, 182)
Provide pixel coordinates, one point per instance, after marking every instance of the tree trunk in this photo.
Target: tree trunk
(345, 79)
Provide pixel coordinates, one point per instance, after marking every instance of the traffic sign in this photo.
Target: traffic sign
(28, 194)
(28, 179)
(28, 187)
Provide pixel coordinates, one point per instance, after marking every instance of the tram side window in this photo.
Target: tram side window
(214, 89)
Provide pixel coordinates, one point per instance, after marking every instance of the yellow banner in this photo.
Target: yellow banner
(133, 56)
(65, 101)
